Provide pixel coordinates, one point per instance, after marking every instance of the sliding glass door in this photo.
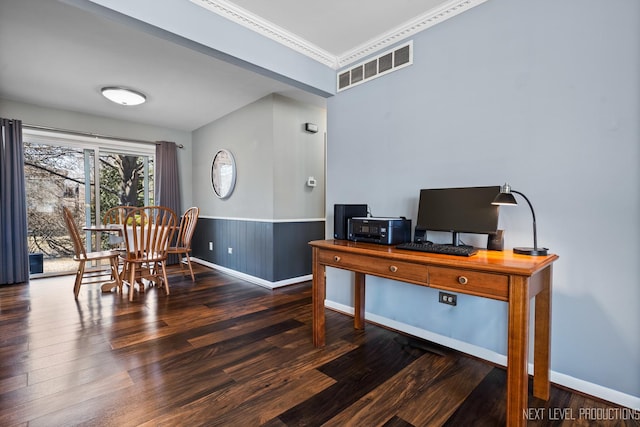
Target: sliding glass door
(88, 176)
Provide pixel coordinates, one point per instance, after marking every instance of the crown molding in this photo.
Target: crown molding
(407, 29)
(268, 29)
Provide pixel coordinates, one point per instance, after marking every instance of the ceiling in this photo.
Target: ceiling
(57, 55)
(351, 23)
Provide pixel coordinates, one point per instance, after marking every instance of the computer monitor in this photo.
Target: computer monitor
(458, 210)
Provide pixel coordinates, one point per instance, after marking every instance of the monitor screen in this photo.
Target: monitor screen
(458, 210)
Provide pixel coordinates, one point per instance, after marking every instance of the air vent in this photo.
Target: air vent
(385, 63)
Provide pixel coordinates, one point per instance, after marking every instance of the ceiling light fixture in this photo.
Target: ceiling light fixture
(123, 96)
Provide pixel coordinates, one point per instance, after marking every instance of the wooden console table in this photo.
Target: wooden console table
(503, 276)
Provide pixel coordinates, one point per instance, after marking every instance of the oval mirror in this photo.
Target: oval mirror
(223, 173)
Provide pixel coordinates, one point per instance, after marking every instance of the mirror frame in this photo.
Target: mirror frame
(223, 160)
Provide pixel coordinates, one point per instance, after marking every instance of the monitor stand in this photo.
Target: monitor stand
(456, 240)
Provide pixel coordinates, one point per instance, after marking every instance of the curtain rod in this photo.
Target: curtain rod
(93, 135)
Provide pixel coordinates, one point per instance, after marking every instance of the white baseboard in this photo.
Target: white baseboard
(564, 380)
(605, 393)
(256, 280)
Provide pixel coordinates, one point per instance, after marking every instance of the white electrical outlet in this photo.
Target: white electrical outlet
(210, 246)
(230, 250)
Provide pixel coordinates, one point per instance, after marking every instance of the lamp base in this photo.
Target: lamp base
(531, 251)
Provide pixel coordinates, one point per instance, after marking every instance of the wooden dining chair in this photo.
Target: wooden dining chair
(83, 276)
(183, 241)
(116, 215)
(147, 233)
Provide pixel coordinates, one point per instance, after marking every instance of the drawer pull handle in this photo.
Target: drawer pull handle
(393, 268)
(463, 280)
(336, 258)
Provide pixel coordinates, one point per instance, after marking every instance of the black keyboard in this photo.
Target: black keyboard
(436, 248)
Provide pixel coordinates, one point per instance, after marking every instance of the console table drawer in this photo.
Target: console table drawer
(397, 270)
(470, 282)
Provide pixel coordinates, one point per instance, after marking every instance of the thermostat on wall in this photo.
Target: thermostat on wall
(311, 182)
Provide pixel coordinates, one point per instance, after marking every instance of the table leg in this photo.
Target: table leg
(517, 353)
(542, 338)
(358, 309)
(318, 297)
(116, 275)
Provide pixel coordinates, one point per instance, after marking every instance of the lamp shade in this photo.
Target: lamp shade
(505, 199)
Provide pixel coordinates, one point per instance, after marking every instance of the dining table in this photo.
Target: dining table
(115, 235)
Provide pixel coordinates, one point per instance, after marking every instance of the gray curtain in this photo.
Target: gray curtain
(14, 251)
(167, 181)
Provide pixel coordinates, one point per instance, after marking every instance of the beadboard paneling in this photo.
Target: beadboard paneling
(271, 251)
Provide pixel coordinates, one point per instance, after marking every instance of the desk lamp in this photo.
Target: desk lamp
(506, 198)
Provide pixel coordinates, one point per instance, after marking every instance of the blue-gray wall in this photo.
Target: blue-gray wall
(546, 95)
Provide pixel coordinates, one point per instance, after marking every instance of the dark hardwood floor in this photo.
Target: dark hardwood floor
(224, 352)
